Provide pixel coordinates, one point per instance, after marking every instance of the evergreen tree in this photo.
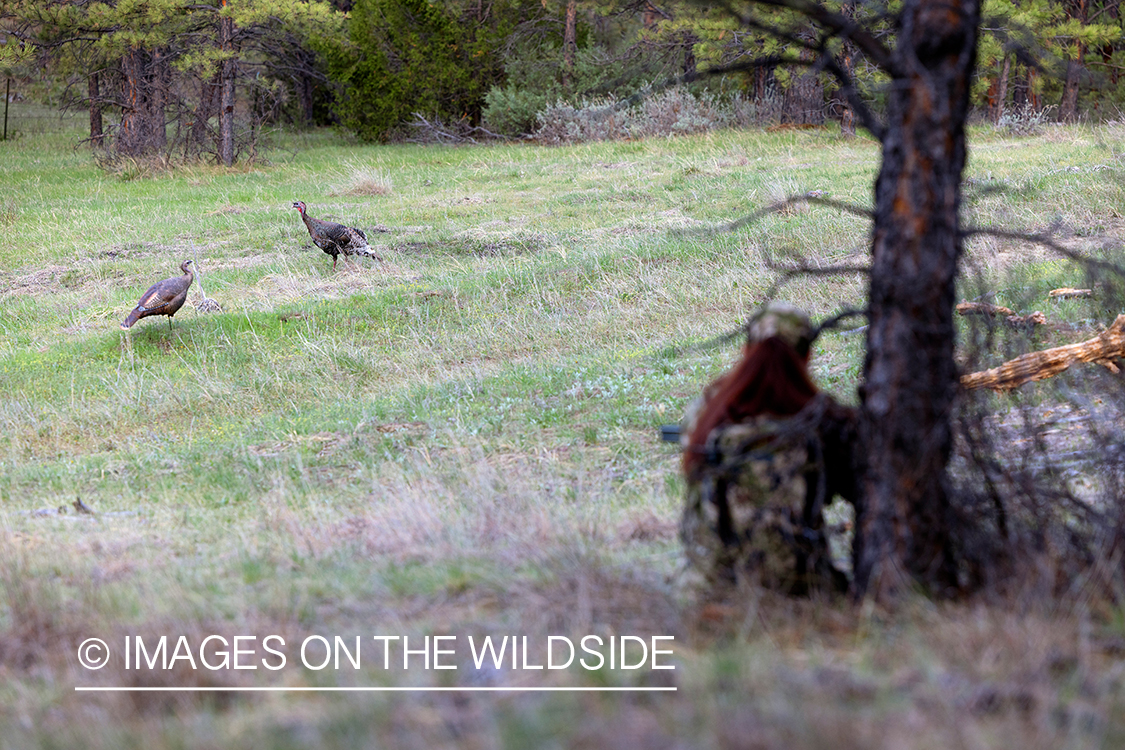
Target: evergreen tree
(414, 56)
(150, 52)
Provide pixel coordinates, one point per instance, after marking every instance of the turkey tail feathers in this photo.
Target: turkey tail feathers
(367, 252)
(141, 311)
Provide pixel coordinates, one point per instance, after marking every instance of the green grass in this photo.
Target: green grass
(463, 441)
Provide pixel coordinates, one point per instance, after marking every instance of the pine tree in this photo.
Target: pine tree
(151, 50)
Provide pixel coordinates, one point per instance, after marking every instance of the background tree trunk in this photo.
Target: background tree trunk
(134, 136)
(158, 101)
(1068, 105)
(145, 93)
(570, 42)
(847, 63)
(910, 378)
(208, 95)
(1001, 93)
(304, 88)
(226, 92)
(93, 91)
(804, 99)
(1024, 95)
(689, 56)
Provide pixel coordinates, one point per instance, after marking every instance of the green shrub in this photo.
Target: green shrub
(513, 111)
(410, 56)
(535, 76)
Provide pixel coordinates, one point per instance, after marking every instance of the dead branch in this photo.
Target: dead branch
(983, 308)
(991, 311)
(459, 133)
(1102, 349)
(1067, 293)
(1045, 238)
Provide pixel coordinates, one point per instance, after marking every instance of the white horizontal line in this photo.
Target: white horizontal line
(267, 689)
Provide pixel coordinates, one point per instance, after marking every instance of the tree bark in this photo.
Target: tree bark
(226, 91)
(1001, 89)
(93, 90)
(208, 93)
(305, 94)
(910, 378)
(158, 101)
(1068, 105)
(804, 99)
(134, 136)
(847, 62)
(570, 42)
(145, 93)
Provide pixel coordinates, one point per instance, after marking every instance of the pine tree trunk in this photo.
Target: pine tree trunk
(570, 42)
(902, 528)
(158, 101)
(847, 62)
(144, 92)
(133, 135)
(1001, 89)
(1068, 106)
(804, 99)
(305, 93)
(93, 90)
(226, 92)
(208, 93)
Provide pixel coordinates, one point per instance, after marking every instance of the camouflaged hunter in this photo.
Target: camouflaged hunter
(758, 480)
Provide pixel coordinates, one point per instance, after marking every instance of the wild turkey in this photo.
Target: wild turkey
(335, 238)
(163, 298)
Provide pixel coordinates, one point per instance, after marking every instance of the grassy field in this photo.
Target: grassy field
(463, 441)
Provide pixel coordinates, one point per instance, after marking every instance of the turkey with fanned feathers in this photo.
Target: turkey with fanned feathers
(163, 298)
(335, 239)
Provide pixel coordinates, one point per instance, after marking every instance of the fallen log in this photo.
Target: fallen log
(983, 308)
(1068, 293)
(1009, 315)
(1102, 349)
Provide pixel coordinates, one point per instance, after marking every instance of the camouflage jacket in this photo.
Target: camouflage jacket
(754, 509)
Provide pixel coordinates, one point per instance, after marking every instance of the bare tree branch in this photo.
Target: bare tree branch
(815, 200)
(827, 61)
(1045, 238)
(837, 24)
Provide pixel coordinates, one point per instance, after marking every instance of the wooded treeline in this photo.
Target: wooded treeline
(196, 79)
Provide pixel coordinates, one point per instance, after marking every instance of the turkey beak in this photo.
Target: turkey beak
(296, 205)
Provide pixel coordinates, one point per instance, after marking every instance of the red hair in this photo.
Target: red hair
(772, 378)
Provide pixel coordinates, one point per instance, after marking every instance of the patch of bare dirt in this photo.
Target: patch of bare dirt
(39, 283)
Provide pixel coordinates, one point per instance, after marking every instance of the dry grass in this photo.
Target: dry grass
(362, 181)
